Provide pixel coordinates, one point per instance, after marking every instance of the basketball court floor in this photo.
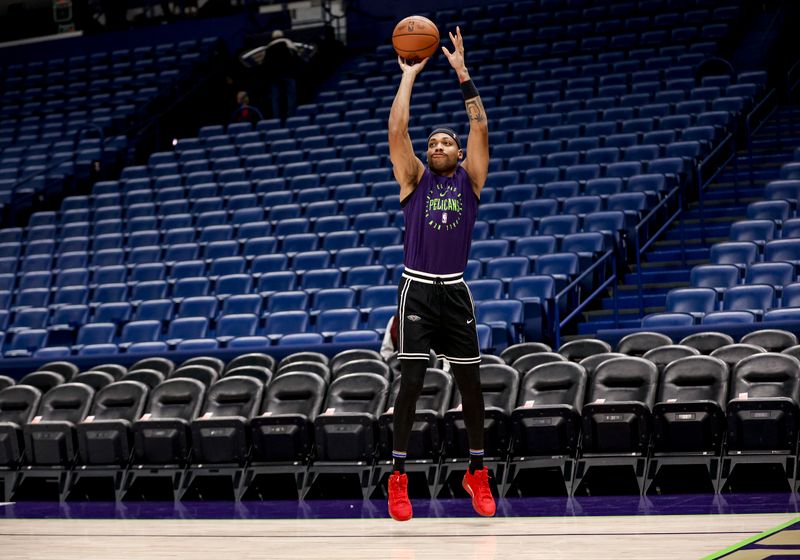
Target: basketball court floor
(674, 527)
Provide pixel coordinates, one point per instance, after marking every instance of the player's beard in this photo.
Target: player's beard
(443, 165)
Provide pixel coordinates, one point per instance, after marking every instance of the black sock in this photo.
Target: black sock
(475, 460)
(399, 461)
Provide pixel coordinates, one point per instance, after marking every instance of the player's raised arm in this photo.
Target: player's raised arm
(407, 167)
(476, 163)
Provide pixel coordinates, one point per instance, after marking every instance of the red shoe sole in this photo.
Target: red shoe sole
(399, 519)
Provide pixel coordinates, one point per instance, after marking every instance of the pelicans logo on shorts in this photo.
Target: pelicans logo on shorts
(443, 208)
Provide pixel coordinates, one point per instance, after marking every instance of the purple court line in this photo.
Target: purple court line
(698, 504)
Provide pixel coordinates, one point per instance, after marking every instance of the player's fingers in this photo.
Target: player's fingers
(452, 37)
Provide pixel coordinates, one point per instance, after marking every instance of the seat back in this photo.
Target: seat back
(766, 375)
(624, 379)
(577, 350)
(667, 354)
(437, 392)
(369, 365)
(176, 398)
(256, 372)
(295, 393)
(515, 351)
(732, 354)
(149, 377)
(252, 359)
(303, 357)
(208, 361)
(18, 404)
(94, 379)
(556, 383)
(636, 344)
(527, 362)
(499, 385)
(69, 402)
(163, 365)
(358, 392)
(234, 395)
(312, 367)
(67, 369)
(42, 380)
(350, 355)
(590, 363)
(695, 378)
(707, 342)
(771, 340)
(205, 374)
(123, 400)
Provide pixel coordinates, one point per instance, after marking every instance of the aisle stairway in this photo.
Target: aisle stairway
(666, 265)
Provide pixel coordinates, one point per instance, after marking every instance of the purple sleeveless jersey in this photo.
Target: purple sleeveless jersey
(440, 215)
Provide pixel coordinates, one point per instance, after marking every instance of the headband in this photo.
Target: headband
(450, 132)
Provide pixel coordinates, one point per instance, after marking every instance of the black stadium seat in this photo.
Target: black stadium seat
(207, 361)
(689, 415)
(762, 414)
(346, 432)
(617, 417)
(257, 372)
(116, 370)
(18, 406)
(527, 362)
(546, 421)
(303, 357)
(283, 430)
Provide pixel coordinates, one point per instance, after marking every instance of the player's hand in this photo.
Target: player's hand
(456, 58)
(412, 69)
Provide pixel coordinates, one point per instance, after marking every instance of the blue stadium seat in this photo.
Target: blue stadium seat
(286, 322)
(693, 301)
(198, 306)
(331, 321)
(755, 299)
(355, 256)
(717, 276)
(740, 253)
(296, 300)
(505, 319)
(337, 298)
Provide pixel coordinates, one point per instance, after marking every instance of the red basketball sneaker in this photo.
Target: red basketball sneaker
(399, 505)
(477, 486)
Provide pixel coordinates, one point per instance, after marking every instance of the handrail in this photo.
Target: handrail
(728, 141)
(640, 249)
(751, 131)
(558, 325)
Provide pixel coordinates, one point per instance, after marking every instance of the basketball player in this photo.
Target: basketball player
(440, 203)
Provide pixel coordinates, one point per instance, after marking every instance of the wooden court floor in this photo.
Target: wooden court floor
(614, 538)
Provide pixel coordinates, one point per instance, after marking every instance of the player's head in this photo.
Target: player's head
(444, 151)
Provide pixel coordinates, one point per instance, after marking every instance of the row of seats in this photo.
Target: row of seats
(582, 401)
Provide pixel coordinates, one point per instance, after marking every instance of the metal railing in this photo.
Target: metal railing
(574, 287)
(754, 120)
(675, 195)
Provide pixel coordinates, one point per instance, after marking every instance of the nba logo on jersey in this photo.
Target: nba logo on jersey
(444, 217)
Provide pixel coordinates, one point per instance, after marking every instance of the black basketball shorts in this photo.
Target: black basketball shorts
(436, 312)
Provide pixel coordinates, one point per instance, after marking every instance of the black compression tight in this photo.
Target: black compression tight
(469, 384)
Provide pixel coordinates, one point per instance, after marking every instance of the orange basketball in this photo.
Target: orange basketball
(415, 38)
